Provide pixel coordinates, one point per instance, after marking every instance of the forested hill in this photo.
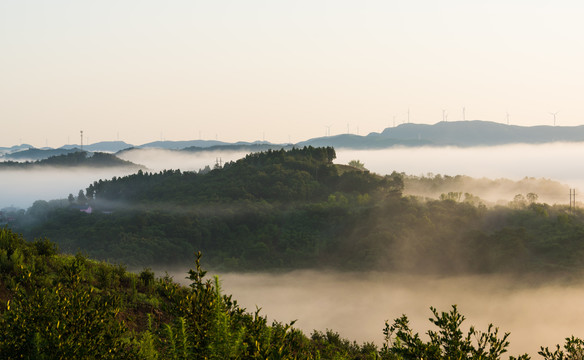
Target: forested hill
(296, 209)
(73, 159)
(306, 174)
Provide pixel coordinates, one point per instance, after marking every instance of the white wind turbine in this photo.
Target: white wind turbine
(554, 115)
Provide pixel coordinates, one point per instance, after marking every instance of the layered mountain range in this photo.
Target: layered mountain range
(456, 133)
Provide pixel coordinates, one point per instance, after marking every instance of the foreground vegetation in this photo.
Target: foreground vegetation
(56, 306)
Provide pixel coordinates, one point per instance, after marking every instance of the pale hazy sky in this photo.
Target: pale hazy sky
(241, 70)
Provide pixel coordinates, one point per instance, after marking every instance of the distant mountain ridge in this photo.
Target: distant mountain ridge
(481, 133)
(37, 154)
(454, 133)
(103, 146)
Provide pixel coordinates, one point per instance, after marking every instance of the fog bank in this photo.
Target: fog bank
(357, 304)
(551, 161)
(20, 188)
(558, 161)
(159, 159)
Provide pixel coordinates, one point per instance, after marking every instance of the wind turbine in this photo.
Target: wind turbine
(328, 129)
(444, 116)
(554, 115)
(507, 118)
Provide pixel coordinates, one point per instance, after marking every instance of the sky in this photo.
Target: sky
(281, 71)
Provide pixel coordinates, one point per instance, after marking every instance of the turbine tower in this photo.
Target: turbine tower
(554, 115)
(328, 130)
(81, 140)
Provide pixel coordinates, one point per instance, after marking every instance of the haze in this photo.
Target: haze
(357, 304)
(550, 161)
(141, 71)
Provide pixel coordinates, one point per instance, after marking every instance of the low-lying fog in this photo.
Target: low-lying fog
(158, 159)
(558, 161)
(20, 188)
(357, 304)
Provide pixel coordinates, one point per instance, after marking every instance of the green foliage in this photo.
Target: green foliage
(330, 345)
(147, 277)
(70, 307)
(66, 320)
(449, 342)
(357, 164)
(45, 247)
(573, 350)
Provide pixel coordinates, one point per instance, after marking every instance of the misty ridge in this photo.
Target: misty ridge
(74, 159)
(297, 208)
(494, 174)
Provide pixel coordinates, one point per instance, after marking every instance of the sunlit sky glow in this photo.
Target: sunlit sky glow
(142, 71)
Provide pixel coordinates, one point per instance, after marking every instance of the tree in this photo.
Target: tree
(574, 348)
(39, 209)
(532, 198)
(519, 202)
(357, 164)
(447, 343)
(81, 198)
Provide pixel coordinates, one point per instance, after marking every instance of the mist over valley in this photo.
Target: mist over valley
(357, 304)
(553, 163)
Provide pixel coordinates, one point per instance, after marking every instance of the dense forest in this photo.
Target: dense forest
(55, 306)
(296, 209)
